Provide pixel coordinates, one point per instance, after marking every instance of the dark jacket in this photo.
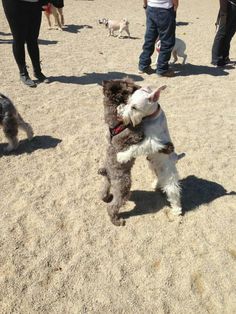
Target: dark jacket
(43, 2)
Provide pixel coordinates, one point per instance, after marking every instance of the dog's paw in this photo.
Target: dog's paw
(107, 198)
(173, 217)
(176, 210)
(118, 221)
(9, 148)
(122, 158)
(30, 135)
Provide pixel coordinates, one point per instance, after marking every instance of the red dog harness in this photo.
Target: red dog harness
(118, 129)
(47, 8)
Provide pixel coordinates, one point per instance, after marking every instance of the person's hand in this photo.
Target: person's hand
(175, 4)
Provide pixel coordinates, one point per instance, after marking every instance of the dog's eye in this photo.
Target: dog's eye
(134, 108)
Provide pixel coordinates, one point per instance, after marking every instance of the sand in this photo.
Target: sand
(59, 253)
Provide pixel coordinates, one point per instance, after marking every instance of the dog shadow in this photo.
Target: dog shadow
(72, 28)
(28, 147)
(195, 192)
(94, 78)
(47, 42)
(182, 23)
(6, 41)
(40, 41)
(5, 34)
(193, 69)
(131, 37)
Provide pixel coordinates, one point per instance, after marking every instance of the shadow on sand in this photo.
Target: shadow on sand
(195, 192)
(94, 78)
(192, 69)
(40, 41)
(5, 34)
(182, 23)
(28, 147)
(72, 28)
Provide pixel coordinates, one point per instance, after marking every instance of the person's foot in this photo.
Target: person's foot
(27, 80)
(168, 73)
(41, 77)
(227, 60)
(220, 63)
(147, 70)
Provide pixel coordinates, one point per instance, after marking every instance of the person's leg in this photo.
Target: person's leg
(230, 30)
(17, 18)
(13, 14)
(34, 23)
(60, 10)
(219, 42)
(149, 40)
(165, 20)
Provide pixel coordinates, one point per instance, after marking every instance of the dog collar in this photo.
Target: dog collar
(118, 129)
(155, 113)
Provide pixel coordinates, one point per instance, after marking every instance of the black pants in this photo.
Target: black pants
(24, 19)
(224, 35)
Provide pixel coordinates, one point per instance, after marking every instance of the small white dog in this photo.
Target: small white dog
(112, 25)
(143, 106)
(178, 50)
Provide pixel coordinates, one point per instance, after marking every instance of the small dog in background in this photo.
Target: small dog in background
(112, 25)
(143, 107)
(11, 120)
(177, 51)
(55, 8)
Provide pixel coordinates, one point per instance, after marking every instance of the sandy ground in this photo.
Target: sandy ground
(59, 253)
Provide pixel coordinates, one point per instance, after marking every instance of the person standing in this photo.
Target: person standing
(226, 29)
(24, 18)
(160, 22)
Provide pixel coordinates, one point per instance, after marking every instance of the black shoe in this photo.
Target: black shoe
(148, 70)
(168, 73)
(41, 77)
(220, 63)
(24, 77)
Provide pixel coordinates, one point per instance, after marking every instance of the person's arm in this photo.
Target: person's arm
(144, 4)
(176, 4)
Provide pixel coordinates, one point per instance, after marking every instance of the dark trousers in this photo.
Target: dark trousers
(224, 35)
(24, 19)
(159, 23)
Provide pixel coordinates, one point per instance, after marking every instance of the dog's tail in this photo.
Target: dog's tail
(180, 156)
(176, 157)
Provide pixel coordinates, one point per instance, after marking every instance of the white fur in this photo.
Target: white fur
(177, 51)
(112, 25)
(142, 104)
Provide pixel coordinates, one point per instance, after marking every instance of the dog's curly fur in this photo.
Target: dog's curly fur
(117, 176)
(11, 120)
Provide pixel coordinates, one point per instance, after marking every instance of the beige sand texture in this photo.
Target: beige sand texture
(59, 253)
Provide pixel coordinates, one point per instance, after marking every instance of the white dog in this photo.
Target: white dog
(112, 25)
(143, 106)
(177, 51)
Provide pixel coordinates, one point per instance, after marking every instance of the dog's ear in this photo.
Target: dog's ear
(154, 96)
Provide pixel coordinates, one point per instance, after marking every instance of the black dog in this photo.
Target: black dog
(11, 121)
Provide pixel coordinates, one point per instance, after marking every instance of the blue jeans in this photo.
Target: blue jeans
(159, 23)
